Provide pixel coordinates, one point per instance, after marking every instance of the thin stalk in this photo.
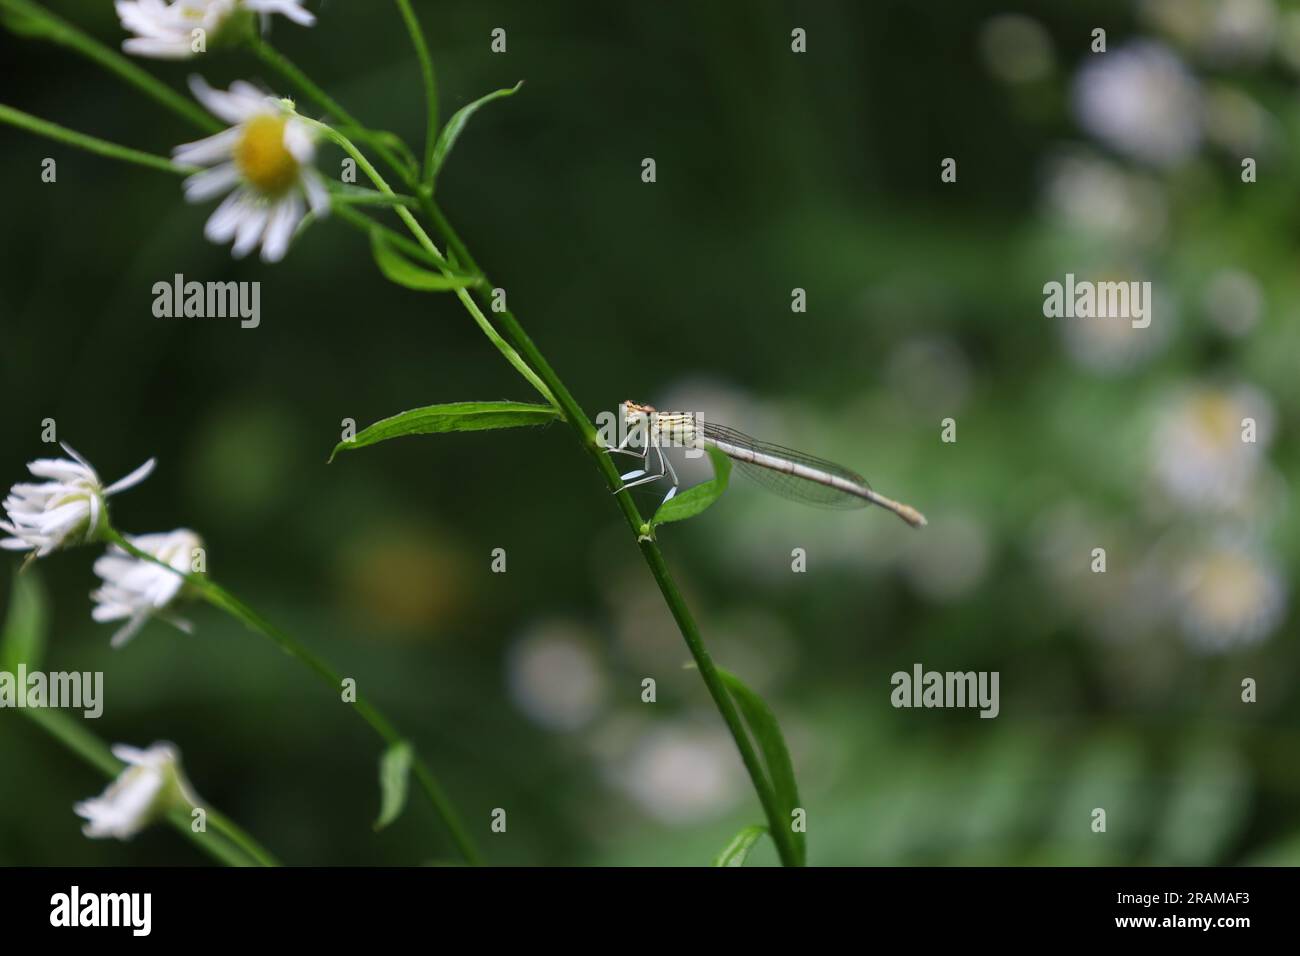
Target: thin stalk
(220, 598)
(577, 418)
(430, 85)
(286, 68)
(96, 753)
(91, 144)
(33, 19)
(236, 835)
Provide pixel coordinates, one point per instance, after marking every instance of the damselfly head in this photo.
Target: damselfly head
(632, 412)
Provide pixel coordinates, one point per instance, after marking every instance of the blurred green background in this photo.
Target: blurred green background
(820, 171)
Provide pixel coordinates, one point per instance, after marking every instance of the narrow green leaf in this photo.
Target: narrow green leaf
(735, 852)
(394, 775)
(456, 125)
(23, 639)
(454, 417)
(765, 730)
(694, 500)
(397, 268)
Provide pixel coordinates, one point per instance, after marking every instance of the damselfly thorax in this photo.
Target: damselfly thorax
(791, 474)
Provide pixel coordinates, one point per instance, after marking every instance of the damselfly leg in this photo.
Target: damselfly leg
(642, 476)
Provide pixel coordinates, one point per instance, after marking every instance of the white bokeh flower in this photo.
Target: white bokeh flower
(136, 590)
(679, 773)
(1142, 101)
(1231, 594)
(148, 787)
(1112, 345)
(1103, 200)
(555, 676)
(66, 510)
(263, 164)
(1200, 457)
(166, 29)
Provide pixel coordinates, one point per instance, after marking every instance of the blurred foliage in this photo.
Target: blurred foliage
(775, 171)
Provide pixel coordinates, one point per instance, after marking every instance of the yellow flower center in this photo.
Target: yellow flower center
(262, 157)
(1218, 417)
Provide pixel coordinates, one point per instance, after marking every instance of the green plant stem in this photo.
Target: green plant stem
(422, 237)
(220, 598)
(236, 834)
(34, 19)
(96, 753)
(430, 86)
(577, 418)
(91, 144)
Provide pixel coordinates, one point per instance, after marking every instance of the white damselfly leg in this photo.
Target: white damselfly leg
(642, 476)
(648, 477)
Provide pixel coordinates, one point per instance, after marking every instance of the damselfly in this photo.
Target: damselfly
(787, 472)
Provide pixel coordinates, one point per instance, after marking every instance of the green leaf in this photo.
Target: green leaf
(695, 499)
(765, 730)
(394, 775)
(456, 125)
(398, 269)
(453, 417)
(735, 852)
(23, 639)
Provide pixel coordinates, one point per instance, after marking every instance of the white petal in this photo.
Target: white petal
(234, 106)
(284, 220)
(211, 183)
(137, 476)
(289, 8)
(128, 754)
(318, 197)
(210, 149)
(249, 232)
(158, 49)
(223, 223)
(130, 629)
(300, 141)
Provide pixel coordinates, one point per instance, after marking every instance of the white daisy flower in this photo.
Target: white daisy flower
(147, 788)
(263, 161)
(67, 510)
(136, 590)
(165, 29)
